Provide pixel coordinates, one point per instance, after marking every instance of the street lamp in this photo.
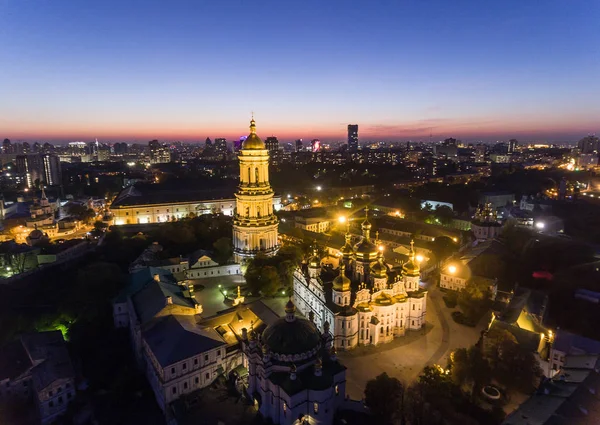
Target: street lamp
(452, 269)
(319, 188)
(342, 219)
(419, 258)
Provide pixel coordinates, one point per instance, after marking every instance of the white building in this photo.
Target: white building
(372, 306)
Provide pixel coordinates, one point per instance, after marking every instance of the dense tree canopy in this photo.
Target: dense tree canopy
(384, 396)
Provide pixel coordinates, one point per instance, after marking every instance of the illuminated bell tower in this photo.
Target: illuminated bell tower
(254, 224)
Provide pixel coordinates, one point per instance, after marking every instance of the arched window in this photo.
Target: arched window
(256, 175)
(249, 181)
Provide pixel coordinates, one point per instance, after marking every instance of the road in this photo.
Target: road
(405, 357)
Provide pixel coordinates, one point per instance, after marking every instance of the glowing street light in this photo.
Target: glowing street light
(381, 248)
(319, 188)
(342, 219)
(419, 258)
(540, 225)
(455, 240)
(452, 269)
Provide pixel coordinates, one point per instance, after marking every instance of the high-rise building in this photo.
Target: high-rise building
(120, 148)
(159, 154)
(272, 144)
(254, 224)
(512, 145)
(352, 137)
(221, 146)
(589, 144)
(40, 169)
(7, 147)
(299, 145)
(208, 142)
(480, 152)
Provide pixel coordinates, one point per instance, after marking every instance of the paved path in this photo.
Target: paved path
(406, 356)
(434, 300)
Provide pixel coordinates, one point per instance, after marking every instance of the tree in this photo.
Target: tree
(444, 214)
(96, 284)
(384, 396)
(474, 297)
(512, 364)
(470, 368)
(81, 212)
(262, 278)
(100, 226)
(223, 250)
(495, 340)
(443, 247)
(518, 368)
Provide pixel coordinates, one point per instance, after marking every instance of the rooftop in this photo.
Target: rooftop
(147, 195)
(174, 338)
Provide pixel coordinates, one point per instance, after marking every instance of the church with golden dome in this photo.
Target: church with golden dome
(369, 302)
(254, 222)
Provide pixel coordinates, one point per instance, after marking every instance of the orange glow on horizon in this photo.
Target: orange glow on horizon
(142, 131)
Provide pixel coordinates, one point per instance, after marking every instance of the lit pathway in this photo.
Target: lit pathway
(405, 357)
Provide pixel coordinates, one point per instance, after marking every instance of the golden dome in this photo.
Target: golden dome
(411, 268)
(365, 247)
(314, 261)
(253, 141)
(290, 308)
(347, 248)
(378, 268)
(341, 282)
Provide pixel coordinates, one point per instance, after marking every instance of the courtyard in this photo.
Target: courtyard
(405, 357)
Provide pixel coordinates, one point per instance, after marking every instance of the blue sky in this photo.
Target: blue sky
(185, 70)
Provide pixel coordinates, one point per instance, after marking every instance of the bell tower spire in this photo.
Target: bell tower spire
(254, 223)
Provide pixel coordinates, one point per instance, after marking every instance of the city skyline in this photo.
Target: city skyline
(119, 72)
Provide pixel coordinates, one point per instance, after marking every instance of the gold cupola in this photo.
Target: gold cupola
(253, 142)
(341, 282)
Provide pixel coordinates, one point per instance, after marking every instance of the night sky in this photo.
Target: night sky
(185, 70)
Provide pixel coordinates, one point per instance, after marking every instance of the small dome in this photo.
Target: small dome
(378, 268)
(314, 261)
(290, 307)
(36, 234)
(253, 141)
(365, 247)
(347, 248)
(411, 268)
(366, 224)
(296, 337)
(341, 282)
